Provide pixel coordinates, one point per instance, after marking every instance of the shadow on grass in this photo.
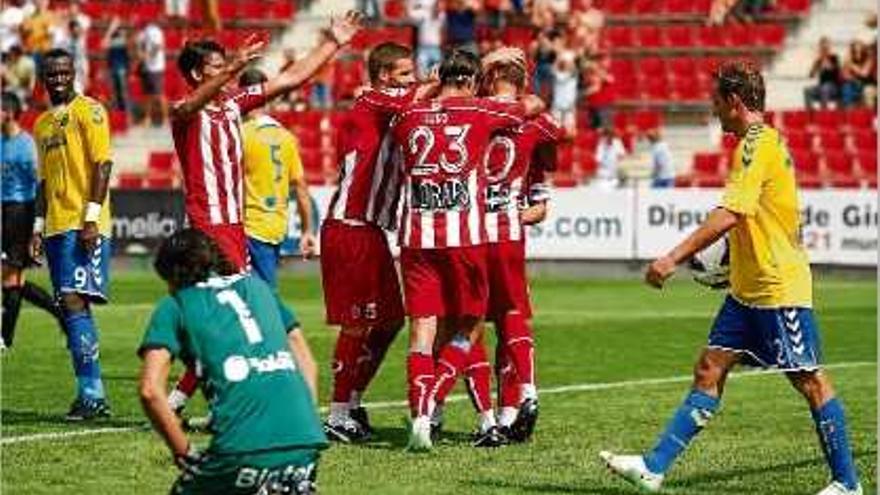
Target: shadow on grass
(396, 438)
(545, 487)
(733, 474)
(12, 418)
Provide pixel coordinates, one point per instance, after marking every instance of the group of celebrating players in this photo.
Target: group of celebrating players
(463, 159)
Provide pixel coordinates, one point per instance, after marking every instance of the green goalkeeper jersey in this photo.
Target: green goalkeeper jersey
(232, 330)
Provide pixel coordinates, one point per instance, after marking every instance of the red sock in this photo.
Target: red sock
(188, 383)
(420, 378)
(508, 382)
(450, 364)
(479, 378)
(373, 353)
(517, 337)
(345, 356)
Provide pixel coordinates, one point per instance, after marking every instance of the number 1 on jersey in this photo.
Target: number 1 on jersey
(251, 329)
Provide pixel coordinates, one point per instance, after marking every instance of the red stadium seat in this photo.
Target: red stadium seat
(708, 66)
(799, 139)
(656, 89)
(619, 36)
(868, 162)
(161, 162)
(795, 119)
(707, 164)
(284, 10)
(829, 119)
(587, 164)
(681, 66)
(650, 36)
(861, 118)
(586, 141)
(729, 141)
(118, 121)
(738, 35)
(806, 166)
(644, 120)
(684, 181)
(679, 7)
(680, 36)
(710, 36)
(642, 7)
(616, 7)
(864, 139)
(769, 34)
(831, 140)
(159, 182)
(840, 168)
(394, 10)
(689, 86)
(129, 180)
(27, 119)
(622, 68)
(716, 181)
(651, 68)
(793, 6)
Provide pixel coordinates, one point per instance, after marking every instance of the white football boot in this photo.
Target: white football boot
(632, 468)
(420, 435)
(837, 488)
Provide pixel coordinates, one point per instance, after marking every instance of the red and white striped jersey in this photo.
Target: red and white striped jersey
(208, 146)
(515, 175)
(442, 144)
(369, 183)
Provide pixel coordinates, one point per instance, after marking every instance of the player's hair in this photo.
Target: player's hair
(743, 79)
(11, 103)
(511, 73)
(189, 257)
(194, 53)
(251, 77)
(57, 53)
(459, 68)
(383, 57)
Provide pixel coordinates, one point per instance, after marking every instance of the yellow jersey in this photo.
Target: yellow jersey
(271, 162)
(72, 140)
(768, 264)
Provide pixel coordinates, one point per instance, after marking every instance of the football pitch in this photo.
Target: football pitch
(614, 359)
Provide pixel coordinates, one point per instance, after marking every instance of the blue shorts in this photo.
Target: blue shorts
(264, 260)
(784, 338)
(73, 270)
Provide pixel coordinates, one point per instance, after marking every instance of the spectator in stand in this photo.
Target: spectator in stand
(294, 100)
(429, 19)
(496, 13)
(11, 18)
(75, 44)
(151, 70)
(546, 13)
(869, 90)
(598, 90)
(662, 166)
(544, 54)
(609, 152)
(75, 13)
(856, 74)
(826, 67)
(321, 97)
(36, 31)
(19, 75)
(177, 11)
(371, 9)
(211, 15)
(115, 44)
(461, 25)
(565, 91)
(751, 10)
(718, 11)
(585, 29)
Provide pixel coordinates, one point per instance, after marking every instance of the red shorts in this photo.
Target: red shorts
(360, 281)
(508, 284)
(232, 242)
(445, 282)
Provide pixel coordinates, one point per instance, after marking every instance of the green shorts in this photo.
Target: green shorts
(290, 471)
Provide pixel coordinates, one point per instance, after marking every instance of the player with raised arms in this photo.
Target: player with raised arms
(266, 435)
(73, 214)
(767, 318)
(442, 143)
(206, 126)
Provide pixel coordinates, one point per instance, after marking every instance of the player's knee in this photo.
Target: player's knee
(73, 303)
(707, 374)
(813, 385)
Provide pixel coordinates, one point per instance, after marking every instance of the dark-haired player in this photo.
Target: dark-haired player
(73, 215)
(19, 158)
(206, 125)
(442, 144)
(767, 318)
(266, 435)
(361, 288)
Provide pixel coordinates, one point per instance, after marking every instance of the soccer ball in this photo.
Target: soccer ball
(711, 266)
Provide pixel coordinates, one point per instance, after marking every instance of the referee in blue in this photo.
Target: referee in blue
(19, 189)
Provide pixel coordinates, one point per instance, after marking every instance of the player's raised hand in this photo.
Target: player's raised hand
(343, 29)
(658, 271)
(251, 50)
(308, 245)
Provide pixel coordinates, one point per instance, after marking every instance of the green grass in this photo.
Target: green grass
(588, 331)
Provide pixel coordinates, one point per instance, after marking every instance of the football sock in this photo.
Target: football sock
(487, 420)
(345, 357)
(185, 388)
(520, 347)
(374, 349)
(82, 341)
(693, 414)
(37, 296)
(339, 412)
(177, 399)
(11, 308)
(507, 415)
(508, 381)
(831, 427)
(355, 401)
(479, 378)
(420, 378)
(450, 363)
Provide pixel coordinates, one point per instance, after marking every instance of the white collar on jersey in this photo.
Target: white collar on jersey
(219, 282)
(267, 120)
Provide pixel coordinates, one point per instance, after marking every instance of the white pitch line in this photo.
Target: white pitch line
(582, 387)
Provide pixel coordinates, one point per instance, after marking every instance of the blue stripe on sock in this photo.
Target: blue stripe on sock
(693, 414)
(830, 423)
(82, 342)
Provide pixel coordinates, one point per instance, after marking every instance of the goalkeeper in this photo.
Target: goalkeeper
(266, 433)
(767, 319)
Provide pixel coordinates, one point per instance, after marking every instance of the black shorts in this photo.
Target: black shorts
(152, 83)
(18, 227)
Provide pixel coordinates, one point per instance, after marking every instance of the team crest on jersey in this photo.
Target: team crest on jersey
(450, 194)
(62, 120)
(97, 115)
